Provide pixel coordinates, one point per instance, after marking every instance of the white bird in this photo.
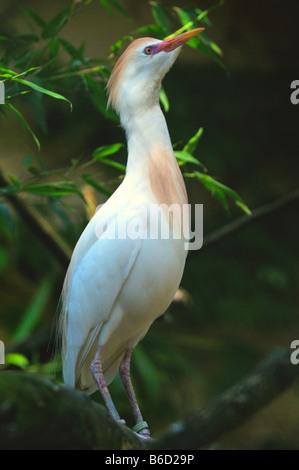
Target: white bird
(116, 286)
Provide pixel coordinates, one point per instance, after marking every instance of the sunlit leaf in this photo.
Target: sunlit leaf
(18, 360)
(185, 157)
(191, 145)
(221, 192)
(164, 100)
(106, 150)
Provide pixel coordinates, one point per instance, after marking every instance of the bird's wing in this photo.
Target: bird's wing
(97, 274)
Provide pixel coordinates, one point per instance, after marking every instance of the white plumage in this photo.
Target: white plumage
(115, 288)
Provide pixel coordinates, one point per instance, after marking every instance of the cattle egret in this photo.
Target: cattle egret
(116, 286)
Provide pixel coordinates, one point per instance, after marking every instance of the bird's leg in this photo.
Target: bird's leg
(124, 371)
(97, 373)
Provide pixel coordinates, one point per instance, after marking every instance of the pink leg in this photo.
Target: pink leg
(97, 373)
(124, 372)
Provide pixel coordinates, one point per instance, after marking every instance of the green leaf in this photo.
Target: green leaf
(119, 8)
(116, 6)
(76, 54)
(29, 38)
(118, 44)
(34, 312)
(189, 15)
(6, 71)
(43, 90)
(36, 18)
(14, 181)
(196, 44)
(118, 166)
(56, 24)
(160, 16)
(106, 150)
(164, 100)
(25, 73)
(18, 360)
(99, 98)
(52, 189)
(191, 145)
(221, 192)
(185, 157)
(151, 30)
(212, 45)
(101, 189)
(25, 123)
(243, 207)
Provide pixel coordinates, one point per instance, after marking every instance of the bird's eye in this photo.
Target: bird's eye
(148, 50)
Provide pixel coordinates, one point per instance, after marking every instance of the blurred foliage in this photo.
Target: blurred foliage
(30, 64)
(231, 294)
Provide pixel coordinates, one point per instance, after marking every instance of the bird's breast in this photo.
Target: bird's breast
(165, 177)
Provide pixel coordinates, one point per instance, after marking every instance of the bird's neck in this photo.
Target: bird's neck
(147, 133)
(151, 158)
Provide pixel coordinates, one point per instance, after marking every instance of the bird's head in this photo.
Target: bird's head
(136, 78)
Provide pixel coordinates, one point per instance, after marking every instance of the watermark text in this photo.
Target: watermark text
(153, 222)
(2, 353)
(2, 93)
(295, 94)
(295, 354)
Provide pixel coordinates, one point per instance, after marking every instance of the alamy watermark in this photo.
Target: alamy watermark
(2, 353)
(295, 354)
(153, 222)
(2, 93)
(295, 94)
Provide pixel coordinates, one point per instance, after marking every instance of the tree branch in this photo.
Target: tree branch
(273, 376)
(37, 413)
(237, 225)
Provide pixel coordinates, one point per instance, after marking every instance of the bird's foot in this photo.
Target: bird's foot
(121, 421)
(145, 435)
(142, 431)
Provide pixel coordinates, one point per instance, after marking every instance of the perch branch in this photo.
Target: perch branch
(37, 413)
(273, 376)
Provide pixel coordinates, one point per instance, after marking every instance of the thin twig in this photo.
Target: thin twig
(237, 225)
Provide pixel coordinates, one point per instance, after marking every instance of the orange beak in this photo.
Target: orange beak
(171, 44)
